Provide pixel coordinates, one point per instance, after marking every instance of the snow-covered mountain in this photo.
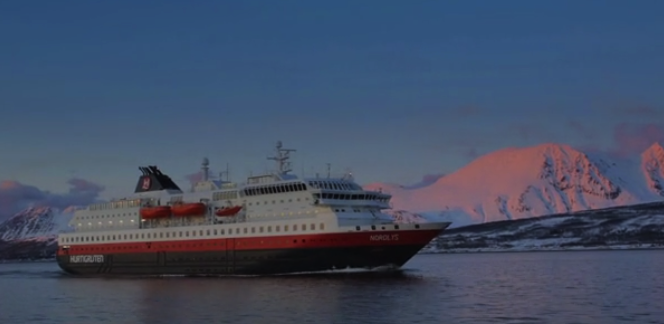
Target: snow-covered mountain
(546, 179)
(42, 223)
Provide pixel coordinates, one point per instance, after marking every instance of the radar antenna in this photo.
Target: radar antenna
(283, 166)
(348, 175)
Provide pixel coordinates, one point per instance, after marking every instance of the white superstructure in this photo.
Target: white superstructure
(269, 204)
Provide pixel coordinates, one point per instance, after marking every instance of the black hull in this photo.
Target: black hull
(244, 262)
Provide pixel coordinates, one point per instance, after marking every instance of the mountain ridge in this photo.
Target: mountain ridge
(549, 178)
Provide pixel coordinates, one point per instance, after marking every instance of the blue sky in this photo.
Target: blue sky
(391, 89)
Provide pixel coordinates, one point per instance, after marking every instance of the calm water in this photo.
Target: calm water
(545, 287)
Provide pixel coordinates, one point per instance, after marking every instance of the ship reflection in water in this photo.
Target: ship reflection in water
(304, 298)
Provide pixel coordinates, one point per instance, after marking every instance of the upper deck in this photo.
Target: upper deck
(264, 198)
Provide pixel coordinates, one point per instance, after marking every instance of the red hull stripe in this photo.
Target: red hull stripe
(333, 240)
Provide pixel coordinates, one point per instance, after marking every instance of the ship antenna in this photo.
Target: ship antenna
(328, 170)
(227, 173)
(205, 169)
(283, 166)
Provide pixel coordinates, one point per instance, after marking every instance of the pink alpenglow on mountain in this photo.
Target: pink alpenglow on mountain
(517, 183)
(652, 165)
(41, 223)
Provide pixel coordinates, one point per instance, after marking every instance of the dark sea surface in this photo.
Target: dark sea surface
(529, 287)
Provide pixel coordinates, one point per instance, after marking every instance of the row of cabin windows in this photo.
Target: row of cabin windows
(274, 189)
(199, 233)
(281, 201)
(326, 195)
(334, 185)
(116, 204)
(290, 213)
(110, 223)
(108, 216)
(224, 195)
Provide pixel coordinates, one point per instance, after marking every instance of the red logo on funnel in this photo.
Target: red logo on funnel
(146, 183)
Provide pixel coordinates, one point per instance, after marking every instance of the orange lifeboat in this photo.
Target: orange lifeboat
(155, 212)
(228, 211)
(189, 209)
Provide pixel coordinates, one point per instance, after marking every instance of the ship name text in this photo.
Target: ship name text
(384, 237)
(97, 258)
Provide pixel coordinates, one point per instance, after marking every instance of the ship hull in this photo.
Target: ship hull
(248, 262)
(234, 257)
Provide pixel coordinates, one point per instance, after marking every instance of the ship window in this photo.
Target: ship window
(113, 237)
(208, 232)
(223, 232)
(269, 229)
(180, 234)
(313, 227)
(186, 233)
(200, 232)
(253, 230)
(245, 230)
(193, 233)
(168, 234)
(161, 235)
(215, 232)
(285, 228)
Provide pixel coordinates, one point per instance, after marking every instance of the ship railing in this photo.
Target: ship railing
(175, 222)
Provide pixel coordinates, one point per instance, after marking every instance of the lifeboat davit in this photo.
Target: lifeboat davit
(228, 211)
(189, 209)
(155, 212)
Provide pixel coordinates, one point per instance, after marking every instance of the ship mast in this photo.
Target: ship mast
(283, 166)
(205, 169)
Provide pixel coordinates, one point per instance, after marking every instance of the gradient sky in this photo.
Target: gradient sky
(393, 90)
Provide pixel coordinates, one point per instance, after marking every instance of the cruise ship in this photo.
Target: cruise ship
(275, 223)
